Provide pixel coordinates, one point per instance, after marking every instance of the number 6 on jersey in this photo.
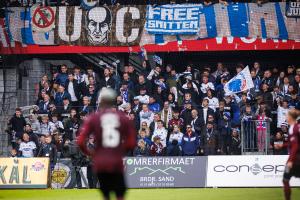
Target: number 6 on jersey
(110, 134)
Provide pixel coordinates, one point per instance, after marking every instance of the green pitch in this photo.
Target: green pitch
(153, 194)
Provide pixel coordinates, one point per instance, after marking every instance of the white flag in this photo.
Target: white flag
(241, 82)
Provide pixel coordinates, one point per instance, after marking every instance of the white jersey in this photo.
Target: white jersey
(146, 117)
(144, 99)
(213, 103)
(27, 149)
(176, 136)
(205, 86)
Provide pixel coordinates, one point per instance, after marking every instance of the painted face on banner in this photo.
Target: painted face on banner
(98, 25)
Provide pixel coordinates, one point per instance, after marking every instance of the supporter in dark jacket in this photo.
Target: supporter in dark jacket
(130, 84)
(92, 95)
(17, 123)
(160, 95)
(65, 108)
(60, 95)
(235, 143)
(186, 114)
(190, 142)
(49, 150)
(268, 79)
(224, 128)
(205, 111)
(266, 94)
(92, 177)
(279, 145)
(32, 136)
(44, 105)
(142, 149)
(107, 80)
(209, 140)
(46, 88)
(86, 107)
(71, 125)
(142, 83)
(62, 77)
(174, 149)
(133, 74)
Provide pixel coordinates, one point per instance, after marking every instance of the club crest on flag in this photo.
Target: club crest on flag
(241, 82)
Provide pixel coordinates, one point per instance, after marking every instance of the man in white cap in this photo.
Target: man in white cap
(114, 135)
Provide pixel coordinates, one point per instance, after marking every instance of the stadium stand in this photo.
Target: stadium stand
(175, 113)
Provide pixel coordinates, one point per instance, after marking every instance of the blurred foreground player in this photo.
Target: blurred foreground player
(114, 136)
(293, 164)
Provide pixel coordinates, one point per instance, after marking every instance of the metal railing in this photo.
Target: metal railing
(255, 136)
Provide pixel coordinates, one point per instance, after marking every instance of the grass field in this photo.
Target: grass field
(153, 194)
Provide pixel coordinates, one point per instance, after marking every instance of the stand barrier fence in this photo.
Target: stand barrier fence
(255, 136)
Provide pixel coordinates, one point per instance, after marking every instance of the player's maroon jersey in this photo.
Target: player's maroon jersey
(114, 136)
(294, 144)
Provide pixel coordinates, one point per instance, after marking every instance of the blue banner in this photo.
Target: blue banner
(173, 19)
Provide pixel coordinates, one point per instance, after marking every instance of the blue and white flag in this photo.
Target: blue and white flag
(157, 59)
(173, 19)
(241, 82)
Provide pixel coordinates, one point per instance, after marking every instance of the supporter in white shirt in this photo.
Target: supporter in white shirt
(205, 85)
(143, 97)
(282, 113)
(176, 135)
(71, 89)
(146, 115)
(161, 132)
(213, 102)
(27, 148)
(46, 127)
(57, 124)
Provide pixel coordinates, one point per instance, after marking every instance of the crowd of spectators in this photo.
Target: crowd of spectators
(175, 114)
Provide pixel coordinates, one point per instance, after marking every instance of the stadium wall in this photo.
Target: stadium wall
(155, 172)
(192, 172)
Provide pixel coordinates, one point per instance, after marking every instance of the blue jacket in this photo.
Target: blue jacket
(146, 140)
(190, 144)
(236, 114)
(58, 99)
(154, 107)
(61, 79)
(88, 109)
(42, 109)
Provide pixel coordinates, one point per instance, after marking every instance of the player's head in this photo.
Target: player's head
(292, 116)
(107, 98)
